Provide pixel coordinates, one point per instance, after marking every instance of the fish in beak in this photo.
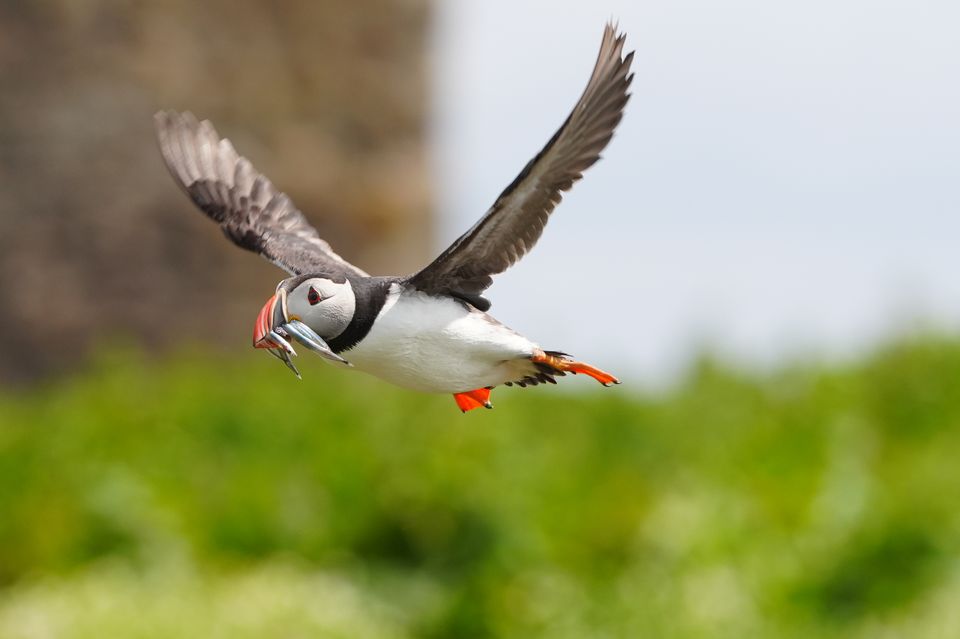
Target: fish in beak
(273, 331)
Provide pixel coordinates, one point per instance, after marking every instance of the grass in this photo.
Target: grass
(198, 496)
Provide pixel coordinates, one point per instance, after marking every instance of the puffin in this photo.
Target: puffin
(429, 331)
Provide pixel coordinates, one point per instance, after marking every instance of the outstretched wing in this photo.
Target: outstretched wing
(249, 210)
(515, 221)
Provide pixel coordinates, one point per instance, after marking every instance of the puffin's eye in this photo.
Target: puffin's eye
(313, 296)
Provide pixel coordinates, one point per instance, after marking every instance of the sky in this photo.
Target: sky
(785, 183)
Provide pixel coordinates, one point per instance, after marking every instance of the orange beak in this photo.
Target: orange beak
(266, 320)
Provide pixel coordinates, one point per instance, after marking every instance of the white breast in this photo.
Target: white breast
(439, 345)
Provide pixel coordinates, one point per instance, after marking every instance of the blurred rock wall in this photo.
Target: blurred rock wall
(325, 97)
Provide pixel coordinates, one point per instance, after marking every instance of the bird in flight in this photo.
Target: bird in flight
(429, 331)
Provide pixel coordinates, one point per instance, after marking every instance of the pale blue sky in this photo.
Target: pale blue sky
(786, 180)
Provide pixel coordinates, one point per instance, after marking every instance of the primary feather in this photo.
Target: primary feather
(516, 220)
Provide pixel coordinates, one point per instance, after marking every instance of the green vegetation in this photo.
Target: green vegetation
(202, 498)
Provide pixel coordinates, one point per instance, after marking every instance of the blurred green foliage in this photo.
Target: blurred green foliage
(222, 498)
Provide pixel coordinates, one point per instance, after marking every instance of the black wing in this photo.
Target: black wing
(249, 210)
(515, 221)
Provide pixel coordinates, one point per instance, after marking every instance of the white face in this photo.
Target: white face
(324, 305)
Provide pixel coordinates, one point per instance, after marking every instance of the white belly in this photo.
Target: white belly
(439, 345)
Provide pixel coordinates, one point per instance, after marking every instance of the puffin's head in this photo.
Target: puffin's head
(323, 304)
(309, 308)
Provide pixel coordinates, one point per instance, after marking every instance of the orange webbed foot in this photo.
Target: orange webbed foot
(469, 400)
(603, 377)
(566, 365)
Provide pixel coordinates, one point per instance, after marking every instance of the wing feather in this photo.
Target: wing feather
(249, 210)
(514, 223)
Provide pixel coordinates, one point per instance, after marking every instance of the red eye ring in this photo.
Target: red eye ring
(313, 296)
